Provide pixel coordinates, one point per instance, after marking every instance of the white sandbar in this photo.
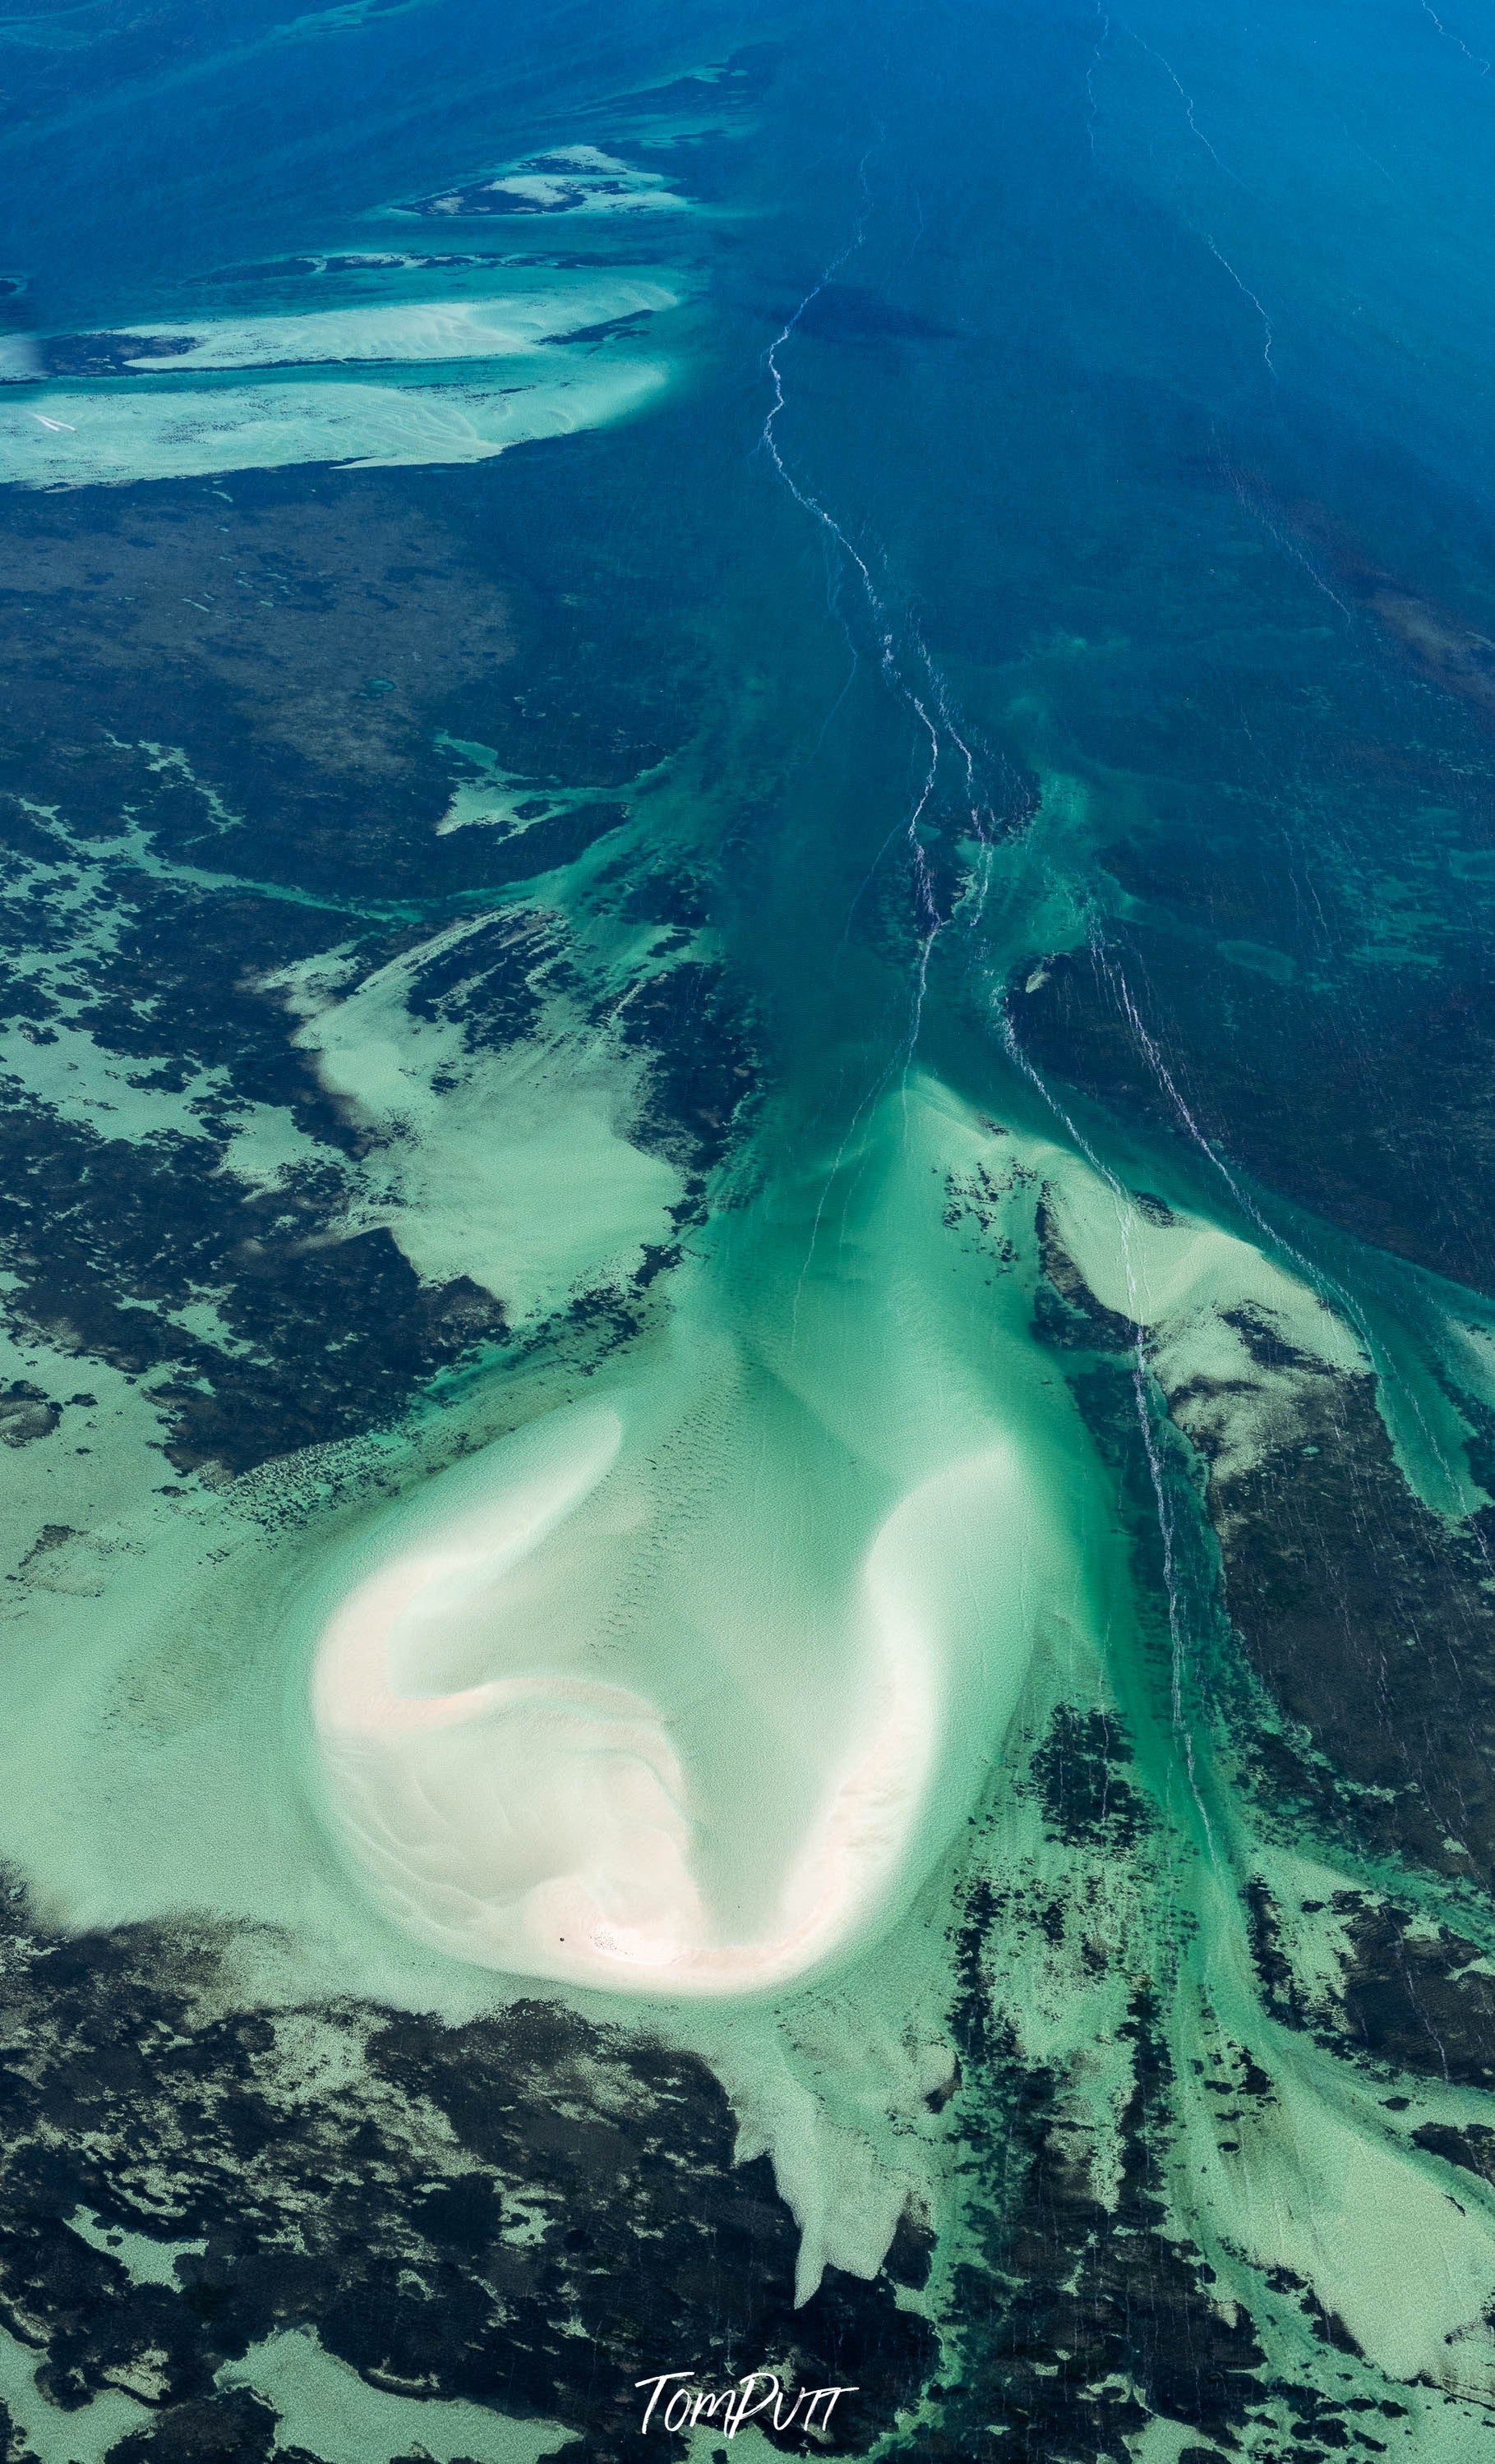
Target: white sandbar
(403, 332)
(109, 438)
(509, 1718)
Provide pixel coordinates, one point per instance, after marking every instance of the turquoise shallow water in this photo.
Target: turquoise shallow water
(748, 1290)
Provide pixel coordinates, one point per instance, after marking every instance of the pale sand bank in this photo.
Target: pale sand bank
(567, 180)
(108, 438)
(514, 1168)
(540, 1819)
(681, 1692)
(403, 332)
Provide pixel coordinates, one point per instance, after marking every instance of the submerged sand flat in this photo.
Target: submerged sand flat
(515, 1168)
(726, 1829)
(681, 1692)
(504, 326)
(73, 440)
(565, 355)
(682, 1687)
(568, 180)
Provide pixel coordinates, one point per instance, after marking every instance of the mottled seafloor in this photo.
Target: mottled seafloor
(747, 770)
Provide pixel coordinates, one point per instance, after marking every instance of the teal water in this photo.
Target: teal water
(765, 1048)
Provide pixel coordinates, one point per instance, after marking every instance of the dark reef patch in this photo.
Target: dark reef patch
(1068, 1315)
(27, 1413)
(1077, 2320)
(1371, 1623)
(1408, 1995)
(1363, 1092)
(527, 2211)
(703, 1068)
(237, 2428)
(239, 629)
(1078, 1770)
(235, 629)
(199, 789)
(1472, 2147)
(484, 979)
(324, 1335)
(1369, 1619)
(103, 354)
(1413, 1995)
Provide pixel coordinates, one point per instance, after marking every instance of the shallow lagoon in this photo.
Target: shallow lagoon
(749, 1450)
